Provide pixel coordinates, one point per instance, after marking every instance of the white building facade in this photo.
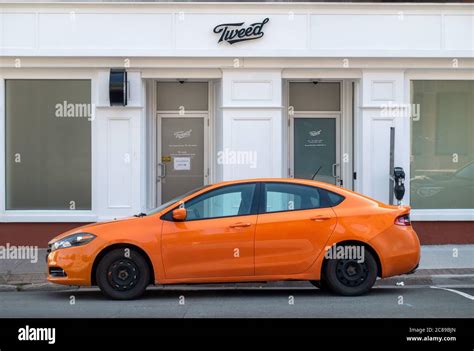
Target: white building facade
(229, 91)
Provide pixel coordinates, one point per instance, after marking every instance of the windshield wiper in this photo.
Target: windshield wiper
(141, 214)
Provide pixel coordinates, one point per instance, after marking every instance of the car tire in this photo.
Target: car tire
(123, 274)
(350, 278)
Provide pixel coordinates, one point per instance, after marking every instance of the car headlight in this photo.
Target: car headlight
(72, 240)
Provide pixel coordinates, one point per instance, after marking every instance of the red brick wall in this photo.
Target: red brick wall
(32, 233)
(459, 232)
(456, 232)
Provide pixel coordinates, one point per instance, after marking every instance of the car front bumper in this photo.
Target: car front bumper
(75, 262)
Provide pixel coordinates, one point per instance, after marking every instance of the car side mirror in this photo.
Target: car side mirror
(179, 214)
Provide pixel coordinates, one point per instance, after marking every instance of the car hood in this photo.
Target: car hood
(90, 228)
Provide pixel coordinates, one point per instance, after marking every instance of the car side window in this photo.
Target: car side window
(280, 197)
(233, 200)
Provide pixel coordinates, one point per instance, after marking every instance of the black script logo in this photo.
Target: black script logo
(236, 32)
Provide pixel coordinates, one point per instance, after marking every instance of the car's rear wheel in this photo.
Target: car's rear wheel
(351, 276)
(123, 274)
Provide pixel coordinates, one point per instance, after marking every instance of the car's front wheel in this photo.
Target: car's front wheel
(123, 274)
(351, 276)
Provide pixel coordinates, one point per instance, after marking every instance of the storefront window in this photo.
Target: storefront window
(442, 145)
(48, 144)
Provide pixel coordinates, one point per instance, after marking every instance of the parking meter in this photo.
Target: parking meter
(399, 180)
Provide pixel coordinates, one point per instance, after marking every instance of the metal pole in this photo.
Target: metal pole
(392, 165)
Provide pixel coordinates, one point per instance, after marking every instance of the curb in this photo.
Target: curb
(454, 279)
(399, 281)
(46, 287)
(5, 287)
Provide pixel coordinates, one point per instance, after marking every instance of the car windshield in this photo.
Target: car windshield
(176, 199)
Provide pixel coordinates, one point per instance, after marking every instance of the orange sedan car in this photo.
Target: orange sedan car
(243, 231)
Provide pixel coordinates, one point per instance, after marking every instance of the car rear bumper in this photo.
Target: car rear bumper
(398, 249)
(413, 270)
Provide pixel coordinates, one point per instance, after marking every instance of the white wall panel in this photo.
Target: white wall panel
(382, 90)
(257, 136)
(120, 157)
(102, 32)
(17, 30)
(119, 163)
(253, 136)
(382, 87)
(243, 87)
(186, 30)
(376, 32)
(252, 90)
(459, 32)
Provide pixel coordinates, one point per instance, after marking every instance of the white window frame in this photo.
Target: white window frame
(49, 216)
(433, 214)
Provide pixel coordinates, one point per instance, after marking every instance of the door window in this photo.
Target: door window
(315, 148)
(233, 200)
(280, 197)
(182, 155)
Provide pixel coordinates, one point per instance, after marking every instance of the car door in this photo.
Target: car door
(294, 225)
(217, 237)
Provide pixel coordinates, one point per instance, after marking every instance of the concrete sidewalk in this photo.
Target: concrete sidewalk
(440, 264)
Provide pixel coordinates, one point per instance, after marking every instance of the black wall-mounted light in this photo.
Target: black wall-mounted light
(118, 87)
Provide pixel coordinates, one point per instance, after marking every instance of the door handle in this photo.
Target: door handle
(240, 225)
(162, 170)
(334, 169)
(320, 218)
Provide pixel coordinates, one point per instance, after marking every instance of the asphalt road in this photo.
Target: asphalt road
(185, 302)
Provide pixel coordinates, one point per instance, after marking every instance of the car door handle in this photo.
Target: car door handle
(240, 225)
(320, 218)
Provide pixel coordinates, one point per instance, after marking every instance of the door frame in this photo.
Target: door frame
(151, 135)
(320, 114)
(157, 166)
(349, 100)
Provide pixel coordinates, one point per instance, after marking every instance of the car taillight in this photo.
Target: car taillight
(403, 220)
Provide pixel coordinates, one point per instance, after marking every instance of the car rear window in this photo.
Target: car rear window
(334, 199)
